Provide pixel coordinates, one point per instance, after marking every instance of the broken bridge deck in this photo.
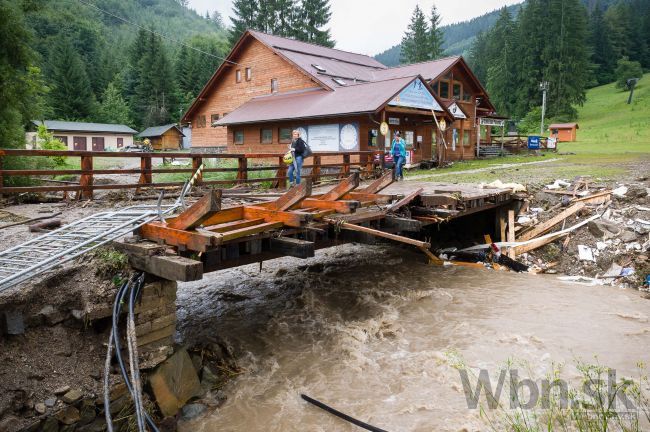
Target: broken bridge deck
(206, 237)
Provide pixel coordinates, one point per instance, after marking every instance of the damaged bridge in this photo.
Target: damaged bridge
(207, 237)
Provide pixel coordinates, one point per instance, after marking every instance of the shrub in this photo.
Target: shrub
(625, 70)
(46, 141)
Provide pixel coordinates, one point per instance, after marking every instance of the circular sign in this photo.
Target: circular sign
(383, 128)
(443, 124)
(303, 133)
(349, 138)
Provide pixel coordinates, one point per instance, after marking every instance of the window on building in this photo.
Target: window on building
(238, 137)
(224, 114)
(266, 136)
(467, 137)
(467, 96)
(120, 142)
(200, 121)
(238, 75)
(285, 135)
(372, 137)
(274, 85)
(444, 89)
(249, 74)
(62, 138)
(457, 90)
(213, 119)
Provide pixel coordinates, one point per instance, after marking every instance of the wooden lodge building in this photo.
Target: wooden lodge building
(270, 85)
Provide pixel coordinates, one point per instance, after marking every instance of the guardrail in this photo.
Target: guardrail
(323, 164)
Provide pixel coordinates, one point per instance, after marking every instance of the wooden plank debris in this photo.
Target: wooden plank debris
(220, 238)
(378, 233)
(198, 212)
(293, 197)
(342, 188)
(406, 200)
(172, 267)
(294, 247)
(544, 227)
(379, 184)
(184, 240)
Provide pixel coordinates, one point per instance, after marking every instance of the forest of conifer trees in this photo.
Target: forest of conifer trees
(570, 44)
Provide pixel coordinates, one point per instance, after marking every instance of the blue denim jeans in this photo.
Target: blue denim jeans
(296, 167)
(399, 162)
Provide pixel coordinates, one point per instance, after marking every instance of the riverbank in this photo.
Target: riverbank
(224, 321)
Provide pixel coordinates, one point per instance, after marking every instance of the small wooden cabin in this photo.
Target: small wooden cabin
(564, 132)
(167, 137)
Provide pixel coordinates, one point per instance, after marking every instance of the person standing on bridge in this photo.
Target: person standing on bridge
(298, 149)
(398, 151)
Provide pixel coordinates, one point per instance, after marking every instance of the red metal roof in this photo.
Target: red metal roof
(354, 69)
(347, 100)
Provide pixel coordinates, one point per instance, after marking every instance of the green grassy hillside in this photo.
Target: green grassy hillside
(608, 125)
(613, 144)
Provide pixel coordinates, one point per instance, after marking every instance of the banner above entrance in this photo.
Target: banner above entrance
(416, 95)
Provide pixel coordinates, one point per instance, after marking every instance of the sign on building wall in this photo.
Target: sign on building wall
(455, 110)
(485, 121)
(332, 137)
(416, 95)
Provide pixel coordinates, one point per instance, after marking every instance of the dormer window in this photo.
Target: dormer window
(339, 81)
(319, 68)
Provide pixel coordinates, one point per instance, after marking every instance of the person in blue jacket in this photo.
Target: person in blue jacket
(398, 150)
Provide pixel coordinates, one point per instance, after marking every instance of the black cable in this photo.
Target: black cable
(119, 298)
(339, 414)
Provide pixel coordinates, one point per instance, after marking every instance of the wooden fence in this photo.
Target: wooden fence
(325, 164)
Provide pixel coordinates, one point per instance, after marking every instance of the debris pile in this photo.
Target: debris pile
(611, 248)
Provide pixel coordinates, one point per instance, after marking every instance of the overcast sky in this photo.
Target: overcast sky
(372, 26)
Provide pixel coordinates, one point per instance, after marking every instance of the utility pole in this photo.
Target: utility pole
(631, 83)
(543, 86)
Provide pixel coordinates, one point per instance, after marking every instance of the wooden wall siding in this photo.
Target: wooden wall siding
(170, 140)
(227, 94)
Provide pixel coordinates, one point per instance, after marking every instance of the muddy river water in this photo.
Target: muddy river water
(374, 332)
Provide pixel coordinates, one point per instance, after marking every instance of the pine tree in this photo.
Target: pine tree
(20, 82)
(501, 72)
(71, 96)
(530, 35)
(154, 100)
(217, 19)
(436, 37)
(113, 108)
(245, 16)
(312, 16)
(601, 46)
(566, 57)
(265, 18)
(415, 43)
(478, 57)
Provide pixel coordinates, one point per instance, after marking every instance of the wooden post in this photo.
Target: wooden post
(315, 171)
(282, 172)
(2, 179)
(511, 233)
(145, 170)
(501, 221)
(345, 169)
(197, 161)
(86, 179)
(242, 171)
